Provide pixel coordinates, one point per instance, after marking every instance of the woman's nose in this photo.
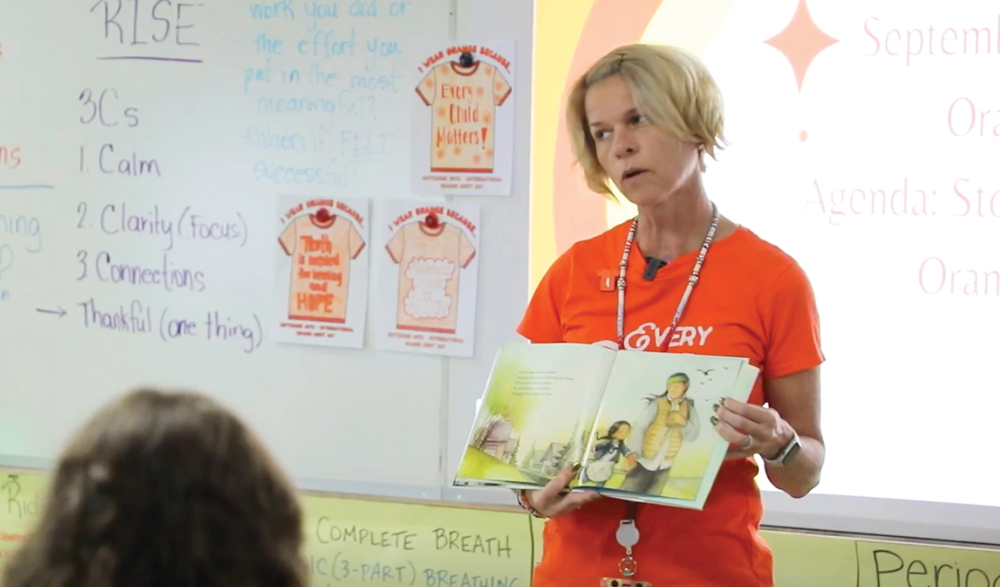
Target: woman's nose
(624, 144)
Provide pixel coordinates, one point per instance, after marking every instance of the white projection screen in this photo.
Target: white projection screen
(865, 142)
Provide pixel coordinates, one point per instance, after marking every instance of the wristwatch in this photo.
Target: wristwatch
(787, 453)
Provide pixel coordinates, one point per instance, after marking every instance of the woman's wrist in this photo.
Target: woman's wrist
(524, 501)
(787, 435)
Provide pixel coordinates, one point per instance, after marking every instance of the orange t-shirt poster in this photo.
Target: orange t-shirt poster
(427, 277)
(463, 119)
(322, 271)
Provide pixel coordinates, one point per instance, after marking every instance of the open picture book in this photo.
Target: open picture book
(639, 423)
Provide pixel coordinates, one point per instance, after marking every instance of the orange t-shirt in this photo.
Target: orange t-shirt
(429, 263)
(752, 300)
(463, 127)
(321, 254)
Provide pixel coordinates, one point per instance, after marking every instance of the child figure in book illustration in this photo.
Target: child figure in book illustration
(608, 450)
(661, 429)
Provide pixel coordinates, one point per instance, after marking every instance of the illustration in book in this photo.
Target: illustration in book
(639, 423)
(322, 271)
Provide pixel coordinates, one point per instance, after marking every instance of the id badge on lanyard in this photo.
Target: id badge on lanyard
(627, 536)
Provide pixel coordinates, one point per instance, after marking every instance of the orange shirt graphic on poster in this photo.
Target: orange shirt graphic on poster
(463, 124)
(429, 258)
(321, 246)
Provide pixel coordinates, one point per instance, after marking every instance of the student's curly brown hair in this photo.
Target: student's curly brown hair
(164, 490)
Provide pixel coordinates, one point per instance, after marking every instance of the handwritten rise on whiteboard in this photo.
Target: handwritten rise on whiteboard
(151, 30)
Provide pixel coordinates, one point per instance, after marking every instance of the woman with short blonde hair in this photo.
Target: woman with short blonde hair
(671, 87)
(642, 119)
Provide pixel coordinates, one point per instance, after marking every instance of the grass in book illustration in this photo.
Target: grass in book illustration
(528, 428)
(653, 434)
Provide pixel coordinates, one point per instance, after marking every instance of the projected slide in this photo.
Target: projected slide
(866, 143)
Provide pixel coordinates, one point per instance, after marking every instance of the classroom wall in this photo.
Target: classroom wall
(424, 544)
(356, 541)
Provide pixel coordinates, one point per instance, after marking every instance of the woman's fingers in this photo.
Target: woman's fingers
(729, 433)
(736, 421)
(557, 485)
(573, 501)
(544, 499)
(759, 422)
(553, 500)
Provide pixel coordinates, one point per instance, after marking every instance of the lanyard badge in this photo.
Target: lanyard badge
(627, 536)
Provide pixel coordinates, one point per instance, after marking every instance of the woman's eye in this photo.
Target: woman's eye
(638, 119)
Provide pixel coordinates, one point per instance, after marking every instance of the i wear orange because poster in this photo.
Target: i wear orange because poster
(463, 118)
(427, 274)
(322, 271)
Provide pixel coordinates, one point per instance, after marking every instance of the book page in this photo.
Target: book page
(530, 423)
(653, 434)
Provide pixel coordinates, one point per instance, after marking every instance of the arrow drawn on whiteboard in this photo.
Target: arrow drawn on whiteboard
(60, 311)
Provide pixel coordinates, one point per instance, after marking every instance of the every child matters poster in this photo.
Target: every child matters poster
(463, 118)
(428, 264)
(322, 271)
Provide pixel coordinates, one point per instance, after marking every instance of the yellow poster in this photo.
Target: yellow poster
(360, 542)
(22, 497)
(896, 564)
(355, 542)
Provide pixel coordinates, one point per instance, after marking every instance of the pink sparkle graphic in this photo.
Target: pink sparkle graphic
(800, 42)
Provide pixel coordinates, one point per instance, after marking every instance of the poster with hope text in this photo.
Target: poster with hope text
(428, 265)
(463, 118)
(321, 271)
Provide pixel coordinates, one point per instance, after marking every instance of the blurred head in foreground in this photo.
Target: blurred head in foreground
(164, 489)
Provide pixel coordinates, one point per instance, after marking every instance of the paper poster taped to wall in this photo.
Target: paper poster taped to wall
(463, 118)
(427, 265)
(322, 271)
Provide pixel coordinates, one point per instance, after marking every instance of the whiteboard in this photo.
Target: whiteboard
(159, 135)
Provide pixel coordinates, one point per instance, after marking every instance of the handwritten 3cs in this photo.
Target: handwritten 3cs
(96, 109)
